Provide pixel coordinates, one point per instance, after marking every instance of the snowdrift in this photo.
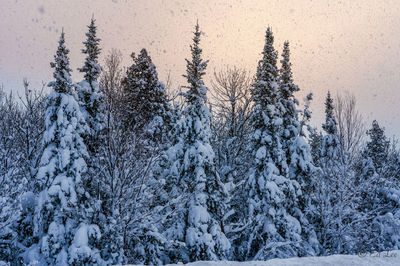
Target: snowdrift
(367, 259)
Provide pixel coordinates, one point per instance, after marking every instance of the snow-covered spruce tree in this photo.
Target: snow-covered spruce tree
(192, 174)
(93, 107)
(316, 146)
(335, 191)
(146, 101)
(91, 98)
(146, 116)
(297, 152)
(330, 143)
(374, 157)
(172, 196)
(272, 229)
(392, 166)
(328, 151)
(379, 195)
(63, 216)
(378, 146)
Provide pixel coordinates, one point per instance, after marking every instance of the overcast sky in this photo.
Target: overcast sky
(336, 45)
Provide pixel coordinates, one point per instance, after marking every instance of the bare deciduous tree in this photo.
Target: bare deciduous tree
(351, 126)
(231, 97)
(21, 128)
(31, 127)
(231, 102)
(111, 77)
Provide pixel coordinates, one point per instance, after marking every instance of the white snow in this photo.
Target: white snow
(28, 201)
(367, 259)
(261, 153)
(197, 215)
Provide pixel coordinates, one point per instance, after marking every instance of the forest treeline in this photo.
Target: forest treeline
(118, 169)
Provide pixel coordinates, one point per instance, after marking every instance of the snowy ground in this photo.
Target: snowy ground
(370, 259)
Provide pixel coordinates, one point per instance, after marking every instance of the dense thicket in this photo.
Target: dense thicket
(111, 170)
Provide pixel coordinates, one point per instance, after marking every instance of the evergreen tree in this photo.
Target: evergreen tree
(63, 217)
(273, 230)
(91, 97)
(297, 151)
(331, 144)
(92, 105)
(316, 146)
(377, 147)
(379, 190)
(335, 191)
(91, 68)
(146, 101)
(192, 172)
(374, 156)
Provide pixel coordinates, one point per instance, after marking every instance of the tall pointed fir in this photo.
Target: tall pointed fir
(373, 159)
(328, 161)
(378, 147)
(91, 98)
(92, 104)
(330, 143)
(335, 191)
(192, 173)
(379, 195)
(146, 101)
(316, 146)
(272, 229)
(298, 153)
(63, 217)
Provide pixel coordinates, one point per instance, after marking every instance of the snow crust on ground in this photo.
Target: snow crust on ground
(366, 259)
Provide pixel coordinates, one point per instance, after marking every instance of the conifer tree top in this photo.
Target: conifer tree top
(147, 67)
(376, 130)
(61, 74)
(286, 76)
(143, 92)
(377, 138)
(286, 70)
(377, 147)
(91, 68)
(269, 55)
(330, 125)
(141, 69)
(266, 86)
(195, 70)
